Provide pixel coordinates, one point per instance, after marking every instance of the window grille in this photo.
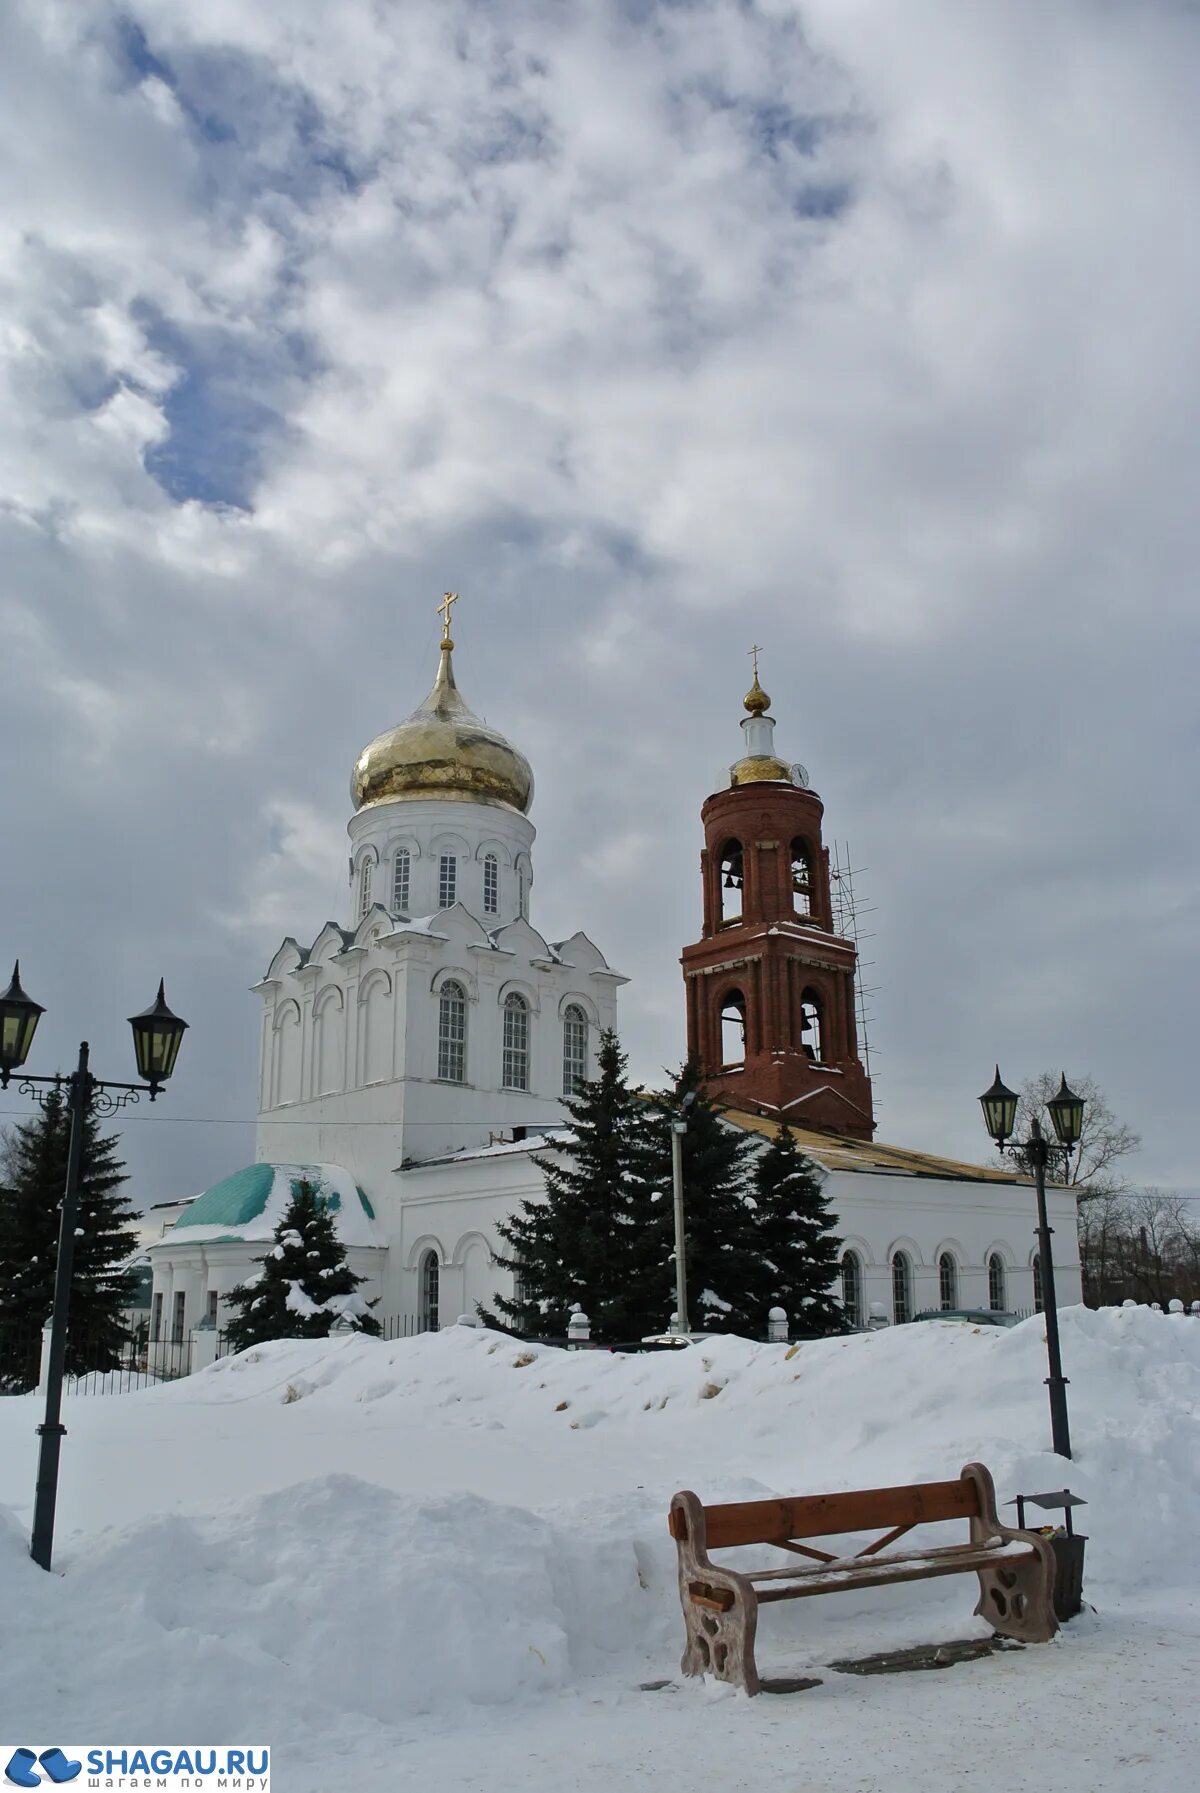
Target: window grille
(177, 1320)
(575, 1049)
(364, 888)
(430, 1289)
(996, 1290)
(156, 1319)
(452, 1033)
(852, 1288)
(901, 1288)
(522, 893)
(1037, 1283)
(213, 1302)
(491, 885)
(515, 1073)
(947, 1281)
(401, 880)
(447, 880)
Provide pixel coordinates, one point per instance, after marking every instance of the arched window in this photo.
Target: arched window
(401, 880)
(515, 1070)
(1037, 1283)
(801, 879)
(575, 1048)
(520, 1288)
(430, 1289)
(810, 1026)
(733, 1029)
(732, 874)
(364, 886)
(452, 1033)
(447, 879)
(852, 1287)
(996, 1290)
(901, 1287)
(491, 884)
(523, 892)
(947, 1281)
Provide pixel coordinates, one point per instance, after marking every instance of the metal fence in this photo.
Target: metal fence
(405, 1326)
(95, 1366)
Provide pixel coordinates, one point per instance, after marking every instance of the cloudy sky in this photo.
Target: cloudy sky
(869, 333)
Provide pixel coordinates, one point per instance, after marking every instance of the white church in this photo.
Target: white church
(413, 1057)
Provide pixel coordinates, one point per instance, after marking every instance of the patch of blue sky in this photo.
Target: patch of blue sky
(259, 133)
(224, 412)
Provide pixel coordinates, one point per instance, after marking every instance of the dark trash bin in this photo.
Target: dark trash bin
(1066, 1543)
(1068, 1574)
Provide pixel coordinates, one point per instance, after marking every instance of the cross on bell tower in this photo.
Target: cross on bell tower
(770, 986)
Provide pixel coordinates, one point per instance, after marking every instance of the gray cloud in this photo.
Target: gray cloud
(653, 331)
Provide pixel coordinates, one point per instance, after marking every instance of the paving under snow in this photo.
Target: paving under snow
(444, 1562)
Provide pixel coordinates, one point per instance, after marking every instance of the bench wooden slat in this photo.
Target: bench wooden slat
(880, 1573)
(975, 1556)
(824, 1515)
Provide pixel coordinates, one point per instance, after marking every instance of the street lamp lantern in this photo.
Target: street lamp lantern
(1066, 1112)
(157, 1037)
(999, 1104)
(18, 1023)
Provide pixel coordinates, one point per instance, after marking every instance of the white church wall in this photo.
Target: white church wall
(878, 1215)
(427, 829)
(198, 1269)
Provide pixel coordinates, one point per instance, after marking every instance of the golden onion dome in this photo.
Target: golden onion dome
(756, 699)
(442, 750)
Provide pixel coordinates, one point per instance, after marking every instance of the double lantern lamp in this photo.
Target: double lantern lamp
(999, 1104)
(157, 1034)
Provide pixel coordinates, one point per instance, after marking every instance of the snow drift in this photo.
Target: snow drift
(253, 1583)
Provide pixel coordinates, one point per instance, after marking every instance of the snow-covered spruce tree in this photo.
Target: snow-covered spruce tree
(729, 1284)
(304, 1283)
(794, 1233)
(594, 1239)
(34, 1179)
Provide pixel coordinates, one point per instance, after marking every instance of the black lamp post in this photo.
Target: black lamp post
(1066, 1113)
(157, 1035)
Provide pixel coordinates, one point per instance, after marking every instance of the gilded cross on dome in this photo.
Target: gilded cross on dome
(443, 609)
(755, 651)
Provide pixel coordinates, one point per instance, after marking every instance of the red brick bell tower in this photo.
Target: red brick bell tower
(770, 986)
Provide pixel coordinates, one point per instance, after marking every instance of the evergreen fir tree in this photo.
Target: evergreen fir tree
(304, 1283)
(35, 1162)
(595, 1239)
(726, 1277)
(795, 1236)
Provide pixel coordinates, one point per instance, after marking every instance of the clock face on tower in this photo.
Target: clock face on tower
(799, 775)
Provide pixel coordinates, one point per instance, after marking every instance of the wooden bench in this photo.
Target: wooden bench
(720, 1605)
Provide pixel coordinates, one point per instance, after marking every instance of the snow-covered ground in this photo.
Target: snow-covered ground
(444, 1562)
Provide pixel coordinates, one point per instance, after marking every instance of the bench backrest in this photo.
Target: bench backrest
(824, 1515)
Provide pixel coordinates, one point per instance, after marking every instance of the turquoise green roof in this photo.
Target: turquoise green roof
(242, 1198)
(232, 1202)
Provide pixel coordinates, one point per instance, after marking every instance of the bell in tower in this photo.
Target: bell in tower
(770, 986)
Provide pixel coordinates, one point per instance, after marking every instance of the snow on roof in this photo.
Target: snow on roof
(503, 1148)
(251, 1203)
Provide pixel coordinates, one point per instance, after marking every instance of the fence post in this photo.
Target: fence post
(204, 1348)
(44, 1360)
(777, 1326)
(579, 1327)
